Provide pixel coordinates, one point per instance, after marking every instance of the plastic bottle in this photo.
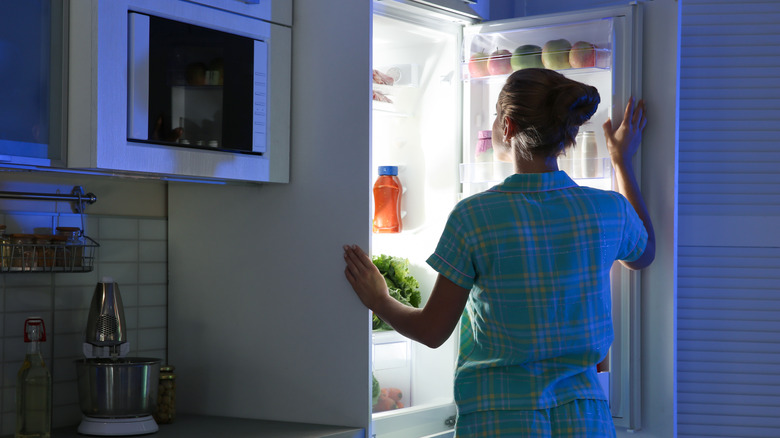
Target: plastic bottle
(387, 201)
(33, 386)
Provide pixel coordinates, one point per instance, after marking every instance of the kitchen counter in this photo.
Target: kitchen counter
(198, 426)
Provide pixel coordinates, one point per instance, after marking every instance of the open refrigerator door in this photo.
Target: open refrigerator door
(599, 47)
(430, 105)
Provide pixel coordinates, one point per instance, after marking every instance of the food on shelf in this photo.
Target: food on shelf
(499, 62)
(375, 390)
(382, 78)
(381, 97)
(401, 284)
(527, 56)
(582, 54)
(389, 399)
(478, 65)
(555, 54)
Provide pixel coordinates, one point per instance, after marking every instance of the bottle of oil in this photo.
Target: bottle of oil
(33, 386)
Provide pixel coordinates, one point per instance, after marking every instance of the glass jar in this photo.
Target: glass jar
(5, 249)
(166, 396)
(74, 243)
(22, 252)
(44, 253)
(60, 252)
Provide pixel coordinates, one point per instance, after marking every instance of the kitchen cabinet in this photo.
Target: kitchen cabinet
(85, 107)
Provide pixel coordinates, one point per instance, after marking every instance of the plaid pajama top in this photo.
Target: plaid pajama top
(535, 252)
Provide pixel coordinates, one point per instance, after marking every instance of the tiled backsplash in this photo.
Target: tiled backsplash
(133, 251)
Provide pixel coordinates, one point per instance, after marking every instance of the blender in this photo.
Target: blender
(117, 394)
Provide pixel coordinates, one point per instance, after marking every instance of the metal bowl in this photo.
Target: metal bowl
(120, 388)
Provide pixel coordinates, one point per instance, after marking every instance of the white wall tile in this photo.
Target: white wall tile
(149, 339)
(152, 295)
(117, 228)
(153, 229)
(152, 251)
(86, 279)
(122, 273)
(150, 273)
(152, 317)
(118, 251)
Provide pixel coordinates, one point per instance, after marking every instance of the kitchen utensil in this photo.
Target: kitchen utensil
(135, 379)
(117, 394)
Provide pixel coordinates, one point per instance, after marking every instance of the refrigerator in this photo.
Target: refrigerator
(429, 105)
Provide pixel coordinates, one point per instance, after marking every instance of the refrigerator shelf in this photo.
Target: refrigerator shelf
(466, 77)
(497, 171)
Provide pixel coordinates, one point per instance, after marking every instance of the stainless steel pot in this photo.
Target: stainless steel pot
(121, 388)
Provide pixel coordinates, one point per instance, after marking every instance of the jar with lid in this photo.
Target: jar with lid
(5, 249)
(74, 243)
(60, 251)
(22, 252)
(44, 252)
(166, 396)
(590, 161)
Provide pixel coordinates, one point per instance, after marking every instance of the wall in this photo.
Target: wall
(129, 224)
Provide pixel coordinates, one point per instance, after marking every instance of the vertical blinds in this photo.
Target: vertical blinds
(728, 360)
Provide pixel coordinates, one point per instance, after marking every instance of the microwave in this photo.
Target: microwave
(181, 89)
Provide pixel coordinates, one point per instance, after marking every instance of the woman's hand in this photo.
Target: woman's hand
(623, 143)
(365, 278)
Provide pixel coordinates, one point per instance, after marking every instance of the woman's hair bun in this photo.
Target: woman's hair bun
(574, 103)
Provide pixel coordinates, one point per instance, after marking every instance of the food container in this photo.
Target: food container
(75, 244)
(118, 388)
(22, 252)
(166, 396)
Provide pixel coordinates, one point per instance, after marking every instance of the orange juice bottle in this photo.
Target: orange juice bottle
(387, 201)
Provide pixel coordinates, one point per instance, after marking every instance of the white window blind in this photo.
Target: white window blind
(729, 220)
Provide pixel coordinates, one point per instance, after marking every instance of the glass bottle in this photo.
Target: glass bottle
(5, 249)
(74, 243)
(387, 201)
(33, 386)
(166, 396)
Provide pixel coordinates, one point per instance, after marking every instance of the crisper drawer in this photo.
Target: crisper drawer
(404, 373)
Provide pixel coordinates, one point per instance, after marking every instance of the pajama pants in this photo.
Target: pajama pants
(578, 419)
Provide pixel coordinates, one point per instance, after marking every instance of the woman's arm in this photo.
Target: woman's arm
(430, 325)
(622, 145)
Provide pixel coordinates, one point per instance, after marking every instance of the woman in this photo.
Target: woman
(529, 261)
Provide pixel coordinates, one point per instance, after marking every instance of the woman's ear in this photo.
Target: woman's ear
(510, 129)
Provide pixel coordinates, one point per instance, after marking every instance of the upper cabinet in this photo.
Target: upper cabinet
(270, 10)
(31, 90)
(195, 90)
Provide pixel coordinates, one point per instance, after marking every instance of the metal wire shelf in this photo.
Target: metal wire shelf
(37, 257)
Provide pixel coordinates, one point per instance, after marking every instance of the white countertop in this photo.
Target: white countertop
(197, 426)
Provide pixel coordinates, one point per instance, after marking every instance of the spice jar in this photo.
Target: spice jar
(5, 249)
(166, 396)
(22, 252)
(60, 251)
(44, 253)
(74, 243)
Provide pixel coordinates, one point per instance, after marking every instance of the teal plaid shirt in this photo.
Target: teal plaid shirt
(536, 252)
